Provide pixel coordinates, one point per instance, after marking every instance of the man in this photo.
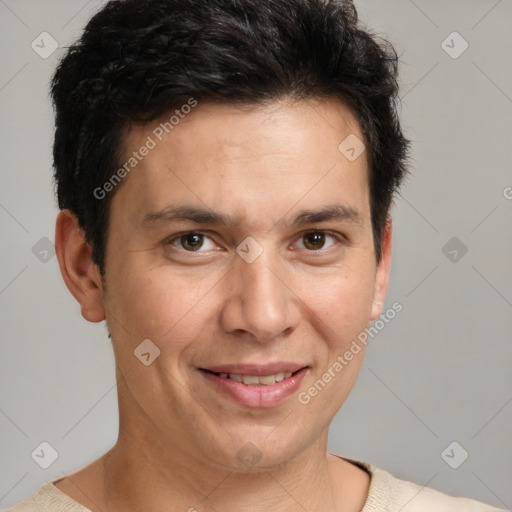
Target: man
(225, 170)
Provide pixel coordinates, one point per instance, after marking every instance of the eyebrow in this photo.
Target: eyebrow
(336, 212)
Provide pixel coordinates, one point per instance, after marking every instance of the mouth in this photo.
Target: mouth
(255, 386)
(254, 380)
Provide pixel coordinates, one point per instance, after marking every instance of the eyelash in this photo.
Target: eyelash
(336, 236)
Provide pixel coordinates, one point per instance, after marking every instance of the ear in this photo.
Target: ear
(80, 273)
(382, 273)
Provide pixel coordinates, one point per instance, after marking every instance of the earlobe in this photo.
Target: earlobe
(80, 273)
(382, 273)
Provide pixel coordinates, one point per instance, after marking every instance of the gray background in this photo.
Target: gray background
(438, 373)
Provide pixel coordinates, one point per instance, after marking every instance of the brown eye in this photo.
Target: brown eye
(316, 240)
(192, 242)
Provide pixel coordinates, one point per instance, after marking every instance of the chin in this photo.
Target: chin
(256, 452)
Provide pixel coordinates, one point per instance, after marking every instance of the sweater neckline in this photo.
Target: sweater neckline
(378, 498)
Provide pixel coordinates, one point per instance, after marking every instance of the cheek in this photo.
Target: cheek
(158, 304)
(342, 305)
(341, 312)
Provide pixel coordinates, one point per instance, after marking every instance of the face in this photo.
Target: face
(241, 245)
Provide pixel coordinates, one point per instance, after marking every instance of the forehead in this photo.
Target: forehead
(247, 158)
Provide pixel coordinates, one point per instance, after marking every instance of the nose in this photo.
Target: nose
(260, 304)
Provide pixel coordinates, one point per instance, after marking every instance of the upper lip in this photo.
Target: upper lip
(256, 369)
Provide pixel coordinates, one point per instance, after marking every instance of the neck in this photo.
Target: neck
(164, 477)
(151, 470)
(157, 478)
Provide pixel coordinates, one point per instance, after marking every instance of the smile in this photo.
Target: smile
(255, 380)
(256, 391)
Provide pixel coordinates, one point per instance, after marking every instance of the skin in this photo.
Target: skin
(179, 438)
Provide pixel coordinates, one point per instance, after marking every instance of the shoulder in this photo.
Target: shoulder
(48, 499)
(391, 494)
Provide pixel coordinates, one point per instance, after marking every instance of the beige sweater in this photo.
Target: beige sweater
(386, 494)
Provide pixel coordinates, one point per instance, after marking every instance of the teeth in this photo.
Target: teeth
(268, 380)
(253, 380)
(250, 379)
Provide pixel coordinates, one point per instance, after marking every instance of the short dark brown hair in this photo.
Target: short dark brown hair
(138, 59)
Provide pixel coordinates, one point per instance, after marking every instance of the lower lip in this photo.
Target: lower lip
(256, 396)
